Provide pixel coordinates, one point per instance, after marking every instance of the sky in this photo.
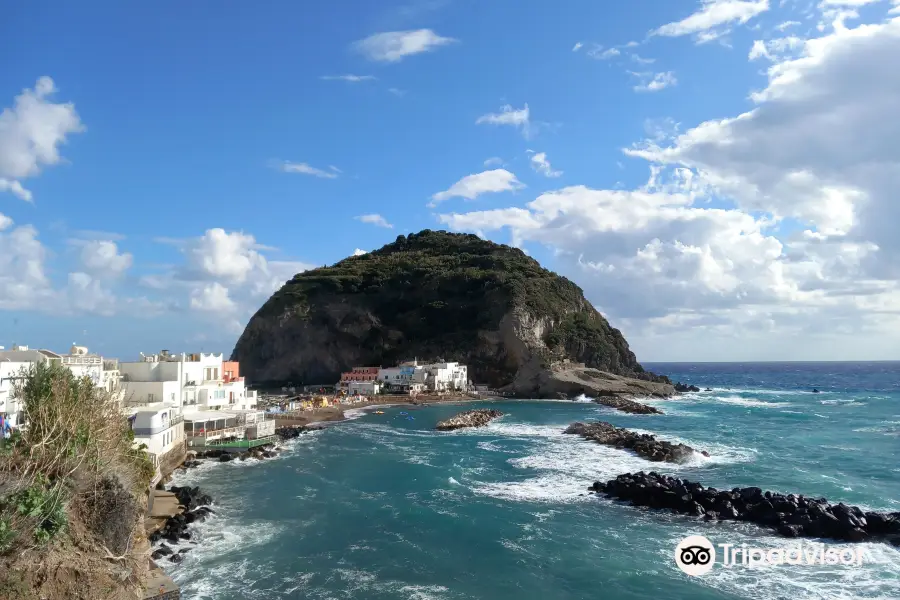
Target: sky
(719, 176)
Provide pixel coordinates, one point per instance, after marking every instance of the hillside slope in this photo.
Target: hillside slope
(430, 295)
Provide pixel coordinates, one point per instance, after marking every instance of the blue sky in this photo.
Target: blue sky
(290, 126)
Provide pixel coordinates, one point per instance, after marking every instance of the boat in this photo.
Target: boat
(379, 412)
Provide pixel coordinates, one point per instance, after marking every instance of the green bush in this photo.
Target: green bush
(75, 438)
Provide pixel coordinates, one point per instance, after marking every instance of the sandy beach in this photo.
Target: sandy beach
(336, 413)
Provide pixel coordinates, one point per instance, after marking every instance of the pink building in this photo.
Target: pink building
(359, 374)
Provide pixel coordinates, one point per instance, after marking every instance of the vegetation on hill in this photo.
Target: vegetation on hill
(71, 493)
(434, 294)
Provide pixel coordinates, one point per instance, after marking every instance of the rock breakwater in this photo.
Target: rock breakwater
(196, 509)
(642, 444)
(789, 514)
(470, 418)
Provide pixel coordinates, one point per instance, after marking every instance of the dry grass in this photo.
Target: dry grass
(71, 481)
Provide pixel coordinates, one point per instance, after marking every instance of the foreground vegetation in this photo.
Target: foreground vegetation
(72, 489)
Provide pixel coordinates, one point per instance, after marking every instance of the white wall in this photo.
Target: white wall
(9, 404)
(146, 392)
(364, 388)
(155, 430)
(151, 371)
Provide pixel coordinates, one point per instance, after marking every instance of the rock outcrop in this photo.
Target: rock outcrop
(683, 388)
(790, 515)
(470, 418)
(196, 509)
(642, 444)
(441, 295)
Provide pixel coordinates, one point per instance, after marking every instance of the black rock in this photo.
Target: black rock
(791, 515)
(644, 445)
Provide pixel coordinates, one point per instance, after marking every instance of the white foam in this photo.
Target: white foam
(453, 481)
(749, 402)
(214, 539)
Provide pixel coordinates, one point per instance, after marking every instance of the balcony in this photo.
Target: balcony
(150, 431)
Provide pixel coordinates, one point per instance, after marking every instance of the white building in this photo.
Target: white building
(160, 428)
(436, 377)
(194, 381)
(363, 388)
(402, 378)
(446, 377)
(102, 372)
(14, 365)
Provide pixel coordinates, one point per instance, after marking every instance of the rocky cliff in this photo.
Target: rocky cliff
(432, 295)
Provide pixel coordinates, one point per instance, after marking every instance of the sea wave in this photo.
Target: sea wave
(749, 402)
(566, 465)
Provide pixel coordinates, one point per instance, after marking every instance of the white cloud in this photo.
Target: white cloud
(397, 92)
(787, 25)
(540, 164)
(713, 14)
(600, 53)
(758, 50)
(577, 46)
(827, 3)
(212, 297)
(359, 252)
(654, 82)
(31, 133)
(519, 118)
(349, 78)
(86, 294)
(641, 60)
(305, 169)
(507, 116)
(230, 257)
(374, 219)
(101, 259)
(698, 254)
(778, 49)
(393, 46)
(14, 187)
(493, 161)
(23, 281)
(225, 275)
(472, 186)
(26, 286)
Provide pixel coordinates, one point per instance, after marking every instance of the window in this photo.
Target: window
(149, 397)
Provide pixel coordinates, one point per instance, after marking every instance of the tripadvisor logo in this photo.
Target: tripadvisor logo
(695, 555)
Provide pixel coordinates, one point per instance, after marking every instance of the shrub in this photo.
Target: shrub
(51, 470)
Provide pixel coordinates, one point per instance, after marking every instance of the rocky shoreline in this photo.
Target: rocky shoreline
(642, 444)
(290, 432)
(194, 459)
(196, 509)
(470, 418)
(790, 515)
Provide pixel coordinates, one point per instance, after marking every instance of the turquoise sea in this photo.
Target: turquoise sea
(381, 506)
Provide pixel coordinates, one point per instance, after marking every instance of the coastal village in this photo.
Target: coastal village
(194, 402)
(184, 406)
